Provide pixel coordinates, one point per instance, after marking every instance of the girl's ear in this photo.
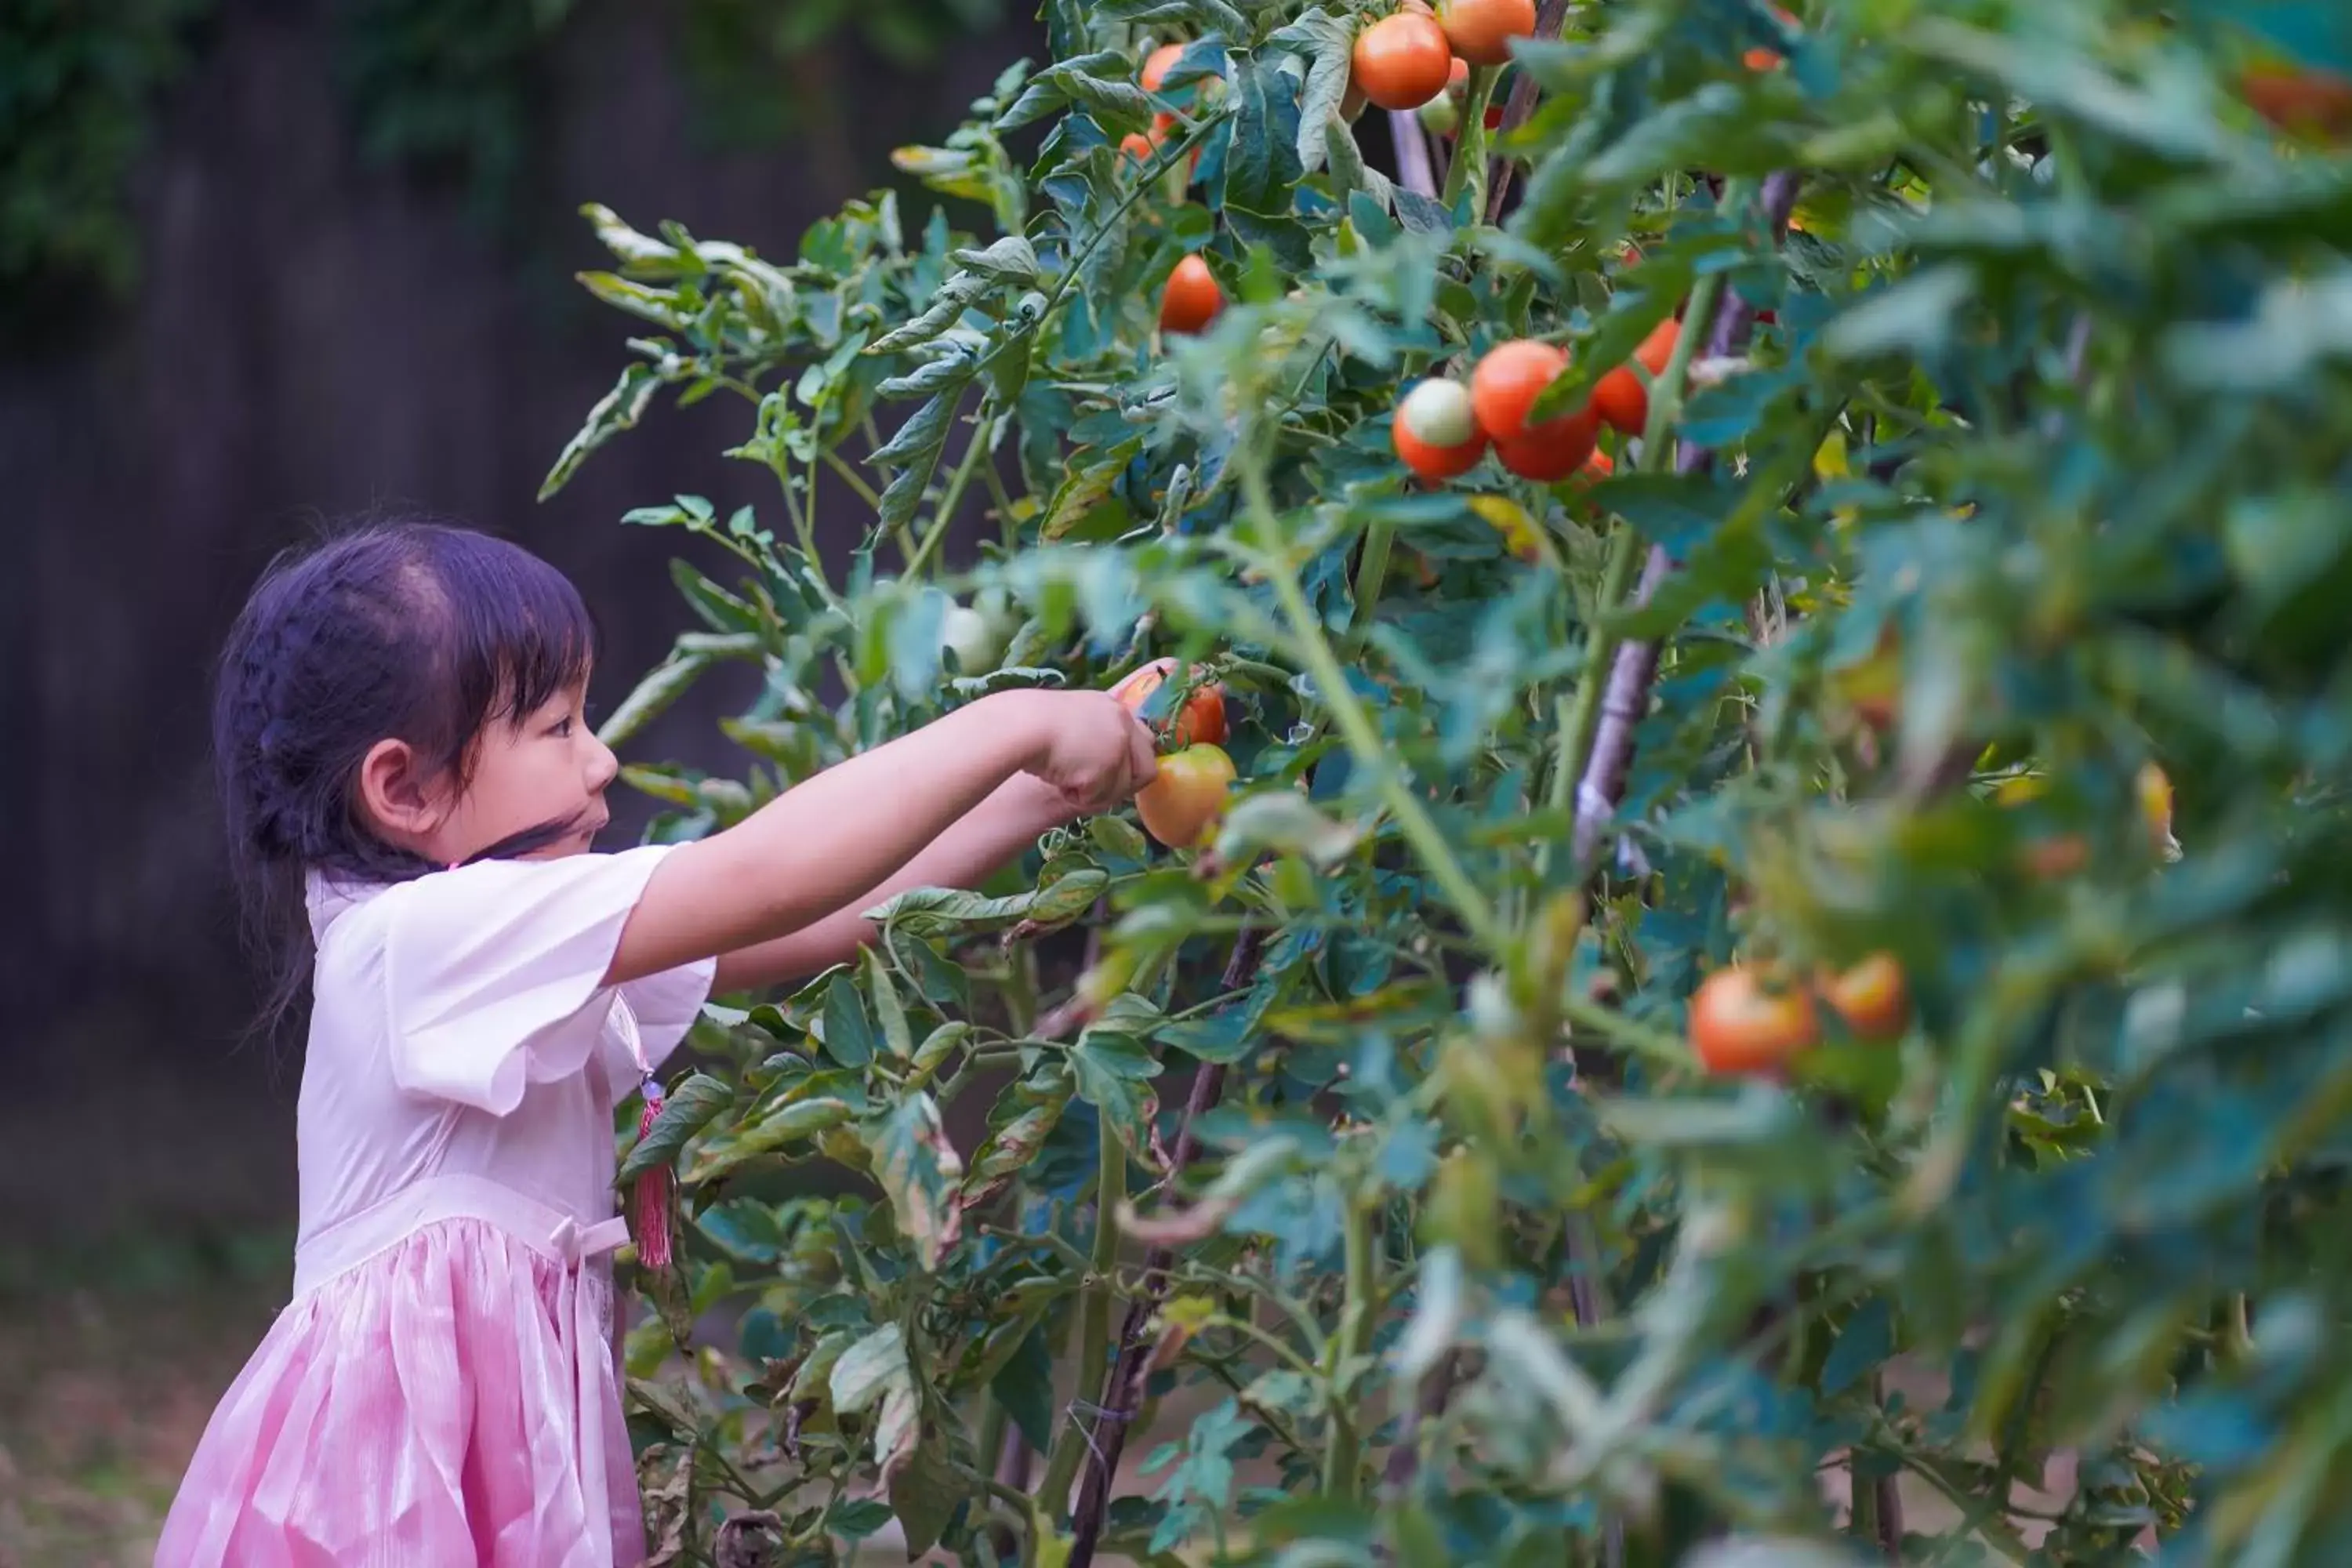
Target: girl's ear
(403, 806)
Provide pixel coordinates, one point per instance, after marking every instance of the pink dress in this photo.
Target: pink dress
(441, 1390)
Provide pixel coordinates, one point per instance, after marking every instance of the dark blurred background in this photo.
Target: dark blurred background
(264, 263)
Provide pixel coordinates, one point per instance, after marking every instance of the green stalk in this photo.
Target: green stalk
(1094, 1315)
(1626, 548)
(1342, 1460)
(1467, 168)
(1370, 752)
(1371, 571)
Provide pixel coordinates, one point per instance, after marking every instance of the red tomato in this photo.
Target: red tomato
(1185, 801)
(1435, 433)
(1870, 998)
(1203, 717)
(1623, 398)
(1481, 31)
(1738, 1026)
(1138, 147)
(1401, 61)
(1552, 452)
(1192, 300)
(2306, 102)
(1502, 389)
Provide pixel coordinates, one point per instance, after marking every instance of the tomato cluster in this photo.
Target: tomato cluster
(1744, 1021)
(1411, 56)
(1180, 806)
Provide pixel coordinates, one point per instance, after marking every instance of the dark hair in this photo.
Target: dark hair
(407, 630)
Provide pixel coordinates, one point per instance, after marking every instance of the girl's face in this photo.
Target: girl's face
(548, 767)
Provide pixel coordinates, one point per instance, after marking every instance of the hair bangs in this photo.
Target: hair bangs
(520, 633)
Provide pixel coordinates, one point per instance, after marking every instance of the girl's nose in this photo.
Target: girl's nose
(603, 765)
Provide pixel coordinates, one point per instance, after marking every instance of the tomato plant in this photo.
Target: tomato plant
(1349, 1186)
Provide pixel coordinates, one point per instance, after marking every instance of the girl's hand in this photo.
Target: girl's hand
(1092, 750)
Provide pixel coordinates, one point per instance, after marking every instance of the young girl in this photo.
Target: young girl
(399, 734)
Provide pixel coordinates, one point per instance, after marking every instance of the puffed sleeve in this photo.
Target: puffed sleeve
(494, 975)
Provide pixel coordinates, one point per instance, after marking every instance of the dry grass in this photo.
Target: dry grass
(102, 1398)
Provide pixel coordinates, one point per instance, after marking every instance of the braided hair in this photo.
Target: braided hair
(411, 630)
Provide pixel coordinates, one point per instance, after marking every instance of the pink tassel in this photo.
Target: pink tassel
(650, 1199)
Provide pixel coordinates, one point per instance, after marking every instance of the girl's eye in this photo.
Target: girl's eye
(563, 730)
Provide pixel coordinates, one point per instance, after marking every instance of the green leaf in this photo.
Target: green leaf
(653, 695)
(848, 1030)
(1023, 1385)
(1011, 259)
(1914, 317)
(867, 1367)
(685, 1112)
(1262, 167)
(918, 1167)
(926, 1490)
(795, 1122)
(855, 1519)
(1866, 1340)
(1327, 42)
(617, 410)
(882, 991)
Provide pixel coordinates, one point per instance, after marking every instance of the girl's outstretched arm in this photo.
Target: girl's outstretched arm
(967, 853)
(845, 832)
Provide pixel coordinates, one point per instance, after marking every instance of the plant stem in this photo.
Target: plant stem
(1626, 697)
(1341, 1457)
(1551, 16)
(849, 477)
(1413, 170)
(1466, 170)
(1094, 1311)
(1364, 742)
(1617, 576)
(1123, 1389)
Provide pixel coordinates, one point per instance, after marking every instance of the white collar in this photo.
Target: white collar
(325, 896)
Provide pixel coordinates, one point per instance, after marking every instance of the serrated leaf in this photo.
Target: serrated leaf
(617, 410)
(867, 1367)
(918, 1167)
(1011, 259)
(1084, 487)
(848, 1028)
(685, 1112)
(1327, 42)
(882, 991)
(653, 695)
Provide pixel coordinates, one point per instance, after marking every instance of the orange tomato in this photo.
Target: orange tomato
(1136, 147)
(1401, 61)
(1158, 64)
(1870, 998)
(1502, 389)
(1203, 717)
(1481, 31)
(1623, 398)
(1739, 1025)
(1185, 801)
(1435, 433)
(1192, 300)
(2298, 101)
